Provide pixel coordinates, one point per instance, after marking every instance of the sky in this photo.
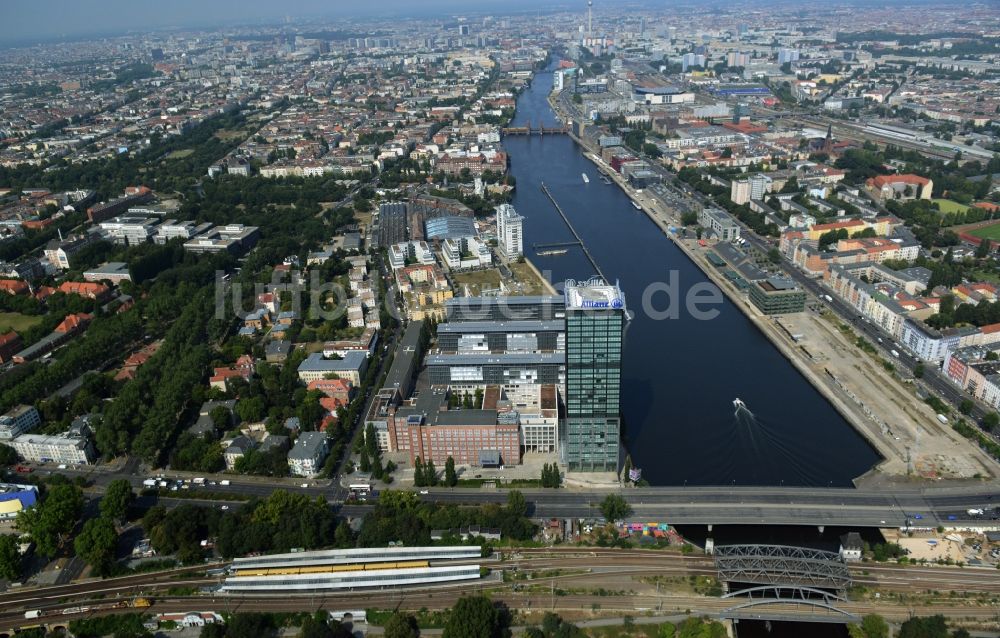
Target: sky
(33, 20)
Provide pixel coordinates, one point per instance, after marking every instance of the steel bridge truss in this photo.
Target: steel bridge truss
(781, 565)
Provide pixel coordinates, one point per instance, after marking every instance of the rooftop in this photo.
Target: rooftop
(593, 294)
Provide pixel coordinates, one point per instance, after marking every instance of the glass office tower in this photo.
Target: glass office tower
(595, 317)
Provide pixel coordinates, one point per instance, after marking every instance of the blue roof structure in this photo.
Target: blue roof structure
(449, 227)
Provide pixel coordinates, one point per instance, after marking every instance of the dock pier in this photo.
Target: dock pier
(579, 240)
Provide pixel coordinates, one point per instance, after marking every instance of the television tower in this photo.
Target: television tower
(590, 19)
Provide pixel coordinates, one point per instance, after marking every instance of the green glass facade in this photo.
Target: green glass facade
(593, 388)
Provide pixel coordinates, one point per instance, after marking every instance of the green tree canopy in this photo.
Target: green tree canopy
(117, 499)
(473, 617)
(872, 626)
(50, 521)
(924, 627)
(96, 544)
(401, 625)
(10, 557)
(614, 507)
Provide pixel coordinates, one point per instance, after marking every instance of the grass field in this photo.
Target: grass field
(987, 232)
(16, 321)
(477, 280)
(524, 274)
(181, 154)
(948, 206)
(227, 134)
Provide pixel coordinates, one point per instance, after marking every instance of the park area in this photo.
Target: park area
(16, 321)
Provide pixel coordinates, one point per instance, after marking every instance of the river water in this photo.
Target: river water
(680, 375)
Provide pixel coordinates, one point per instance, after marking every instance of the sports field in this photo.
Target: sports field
(987, 232)
(16, 321)
(948, 206)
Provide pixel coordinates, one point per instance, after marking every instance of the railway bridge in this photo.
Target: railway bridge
(769, 582)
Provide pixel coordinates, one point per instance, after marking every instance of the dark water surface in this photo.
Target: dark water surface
(680, 376)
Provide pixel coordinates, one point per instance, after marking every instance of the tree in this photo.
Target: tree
(418, 473)
(983, 249)
(49, 522)
(517, 506)
(371, 441)
(918, 371)
(117, 499)
(473, 617)
(872, 626)
(96, 544)
(615, 508)
(965, 406)
(550, 475)
(7, 455)
(10, 557)
(319, 626)
(450, 477)
(991, 421)
(430, 474)
(221, 417)
(929, 627)
(401, 625)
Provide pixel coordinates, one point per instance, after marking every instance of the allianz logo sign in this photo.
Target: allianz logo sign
(592, 303)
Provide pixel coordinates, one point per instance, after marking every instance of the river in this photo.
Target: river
(680, 375)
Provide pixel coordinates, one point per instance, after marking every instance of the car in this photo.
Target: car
(918, 516)
(62, 466)
(424, 492)
(224, 508)
(304, 485)
(952, 517)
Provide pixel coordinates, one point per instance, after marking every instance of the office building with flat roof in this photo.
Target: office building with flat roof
(55, 448)
(777, 296)
(595, 320)
(502, 368)
(351, 367)
(505, 308)
(19, 420)
(233, 238)
(478, 337)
